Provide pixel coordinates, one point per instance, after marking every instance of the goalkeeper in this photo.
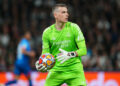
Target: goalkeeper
(66, 42)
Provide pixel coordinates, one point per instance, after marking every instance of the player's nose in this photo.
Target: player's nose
(67, 14)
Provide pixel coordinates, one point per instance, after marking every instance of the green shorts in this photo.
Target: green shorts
(71, 78)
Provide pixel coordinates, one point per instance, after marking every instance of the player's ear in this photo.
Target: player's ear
(55, 15)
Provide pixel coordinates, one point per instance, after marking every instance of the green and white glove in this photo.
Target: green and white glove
(40, 67)
(64, 55)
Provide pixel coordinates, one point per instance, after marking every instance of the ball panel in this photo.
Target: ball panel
(47, 60)
(52, 55)
(44, 64)
(40, 60)
(48, 57)
(43, 56)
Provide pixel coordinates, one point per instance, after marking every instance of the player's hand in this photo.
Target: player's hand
(40, 67)
(64, 55)
(32, 53)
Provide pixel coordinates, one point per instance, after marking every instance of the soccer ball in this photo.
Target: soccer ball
(47, 60)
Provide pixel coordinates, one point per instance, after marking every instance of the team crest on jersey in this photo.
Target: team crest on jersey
(68, 35)
(53, 38)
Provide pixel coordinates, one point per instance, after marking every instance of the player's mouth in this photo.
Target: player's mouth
(66, 18)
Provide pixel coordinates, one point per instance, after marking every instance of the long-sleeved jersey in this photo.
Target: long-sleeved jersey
(70, 38)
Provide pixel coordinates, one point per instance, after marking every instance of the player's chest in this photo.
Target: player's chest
(61, 36)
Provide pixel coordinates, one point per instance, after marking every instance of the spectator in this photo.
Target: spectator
(98, 19)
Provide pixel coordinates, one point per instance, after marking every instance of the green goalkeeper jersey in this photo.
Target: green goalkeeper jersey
(70, 38)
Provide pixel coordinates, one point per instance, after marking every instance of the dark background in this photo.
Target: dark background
(99, 21)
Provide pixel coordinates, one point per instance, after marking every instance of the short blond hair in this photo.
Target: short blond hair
(58, 5)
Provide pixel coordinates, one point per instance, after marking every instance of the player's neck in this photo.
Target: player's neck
(59, 25)
(26, 38)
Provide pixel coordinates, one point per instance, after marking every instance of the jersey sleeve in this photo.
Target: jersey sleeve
(80, 41)
(24, 45)
(45, 43)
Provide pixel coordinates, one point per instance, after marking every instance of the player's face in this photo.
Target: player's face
(28, 35)
(62, 14)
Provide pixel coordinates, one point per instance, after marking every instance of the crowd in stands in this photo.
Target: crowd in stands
(99, 21)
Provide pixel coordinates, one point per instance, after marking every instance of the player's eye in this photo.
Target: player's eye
(64, 12)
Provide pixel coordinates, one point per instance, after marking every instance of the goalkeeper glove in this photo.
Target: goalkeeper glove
(64, 55)
(40, 67)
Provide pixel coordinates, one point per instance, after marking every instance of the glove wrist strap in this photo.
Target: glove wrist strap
(72, 54)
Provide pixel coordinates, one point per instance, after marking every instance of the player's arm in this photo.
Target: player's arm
(45, 49)
(30, 53)
(80, 41)
(45, 43)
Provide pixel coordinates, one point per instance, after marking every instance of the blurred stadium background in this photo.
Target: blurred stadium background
(99, 21)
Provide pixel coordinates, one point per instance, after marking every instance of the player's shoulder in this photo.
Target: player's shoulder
(48, 29)
(24, 41)
(71, 24)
